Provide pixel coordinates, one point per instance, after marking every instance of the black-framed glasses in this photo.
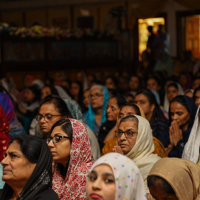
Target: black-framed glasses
(47, 117)
(56, 138)
(127, 133)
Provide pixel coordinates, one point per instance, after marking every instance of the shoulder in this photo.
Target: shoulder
(47, 194)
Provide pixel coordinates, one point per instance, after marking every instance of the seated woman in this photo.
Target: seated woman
(181, 118)
(115, 177)
(96, 114)
(15, 127)
(112, 111)
(153, 113)
(173, 89)
(27, 170)
(173, 178)
(72, 156)
(127, 110)
(135, 140)
(53, 109)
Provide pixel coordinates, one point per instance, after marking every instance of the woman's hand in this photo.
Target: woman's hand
(117, 149)
(176, 133)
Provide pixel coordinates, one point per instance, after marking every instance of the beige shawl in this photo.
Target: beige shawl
(142, 153)
(182, 175)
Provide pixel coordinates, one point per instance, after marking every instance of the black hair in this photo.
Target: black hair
(121, 100)
(66, 126)
(58, 103)
(113, 79)
(180, 99)
(112, 92)
(163, 184)
(157, 112)
(134, 106)
(36, 91)
(156, 79)
(195, 91)
(173, 84)
(53, 89)
(30, 146)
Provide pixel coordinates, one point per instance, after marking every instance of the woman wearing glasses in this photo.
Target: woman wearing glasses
(135, 140)
(96, 114)
(72, 156)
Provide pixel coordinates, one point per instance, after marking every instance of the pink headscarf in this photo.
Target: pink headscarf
(74, 185)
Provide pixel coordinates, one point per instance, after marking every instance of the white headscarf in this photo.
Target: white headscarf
(166, 101)
(61, 92)
(191, 149)
(128, 180)
(142, 152)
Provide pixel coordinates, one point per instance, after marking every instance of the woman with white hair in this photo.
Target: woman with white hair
(96, 114)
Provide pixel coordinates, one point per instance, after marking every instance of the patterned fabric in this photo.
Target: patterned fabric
(90, 114)
(128, 180)
(73, 108)
(1, 174)
(15, 128)
(159, 148)
(182, 175)
(74, 185)
(4, 137)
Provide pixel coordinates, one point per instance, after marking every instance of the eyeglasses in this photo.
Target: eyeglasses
(47, 117)
(56, 138)
(96, 95)
(128, 133)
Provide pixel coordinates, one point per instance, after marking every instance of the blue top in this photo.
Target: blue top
(164, 137)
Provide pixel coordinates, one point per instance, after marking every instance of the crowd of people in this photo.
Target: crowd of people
(113, 137)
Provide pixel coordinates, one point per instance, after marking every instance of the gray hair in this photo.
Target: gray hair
(130, 118)
(99, 87)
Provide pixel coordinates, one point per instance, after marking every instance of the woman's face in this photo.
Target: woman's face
(60, 150)
(28, 95)
(48, 109)
(196, 84)
(45, 92)
(125, 111)
(134, 83)
(16, 167)
(125, 143)
(171, 92)
(159, 194)
(143, 102)
(109, 83)
(112, 110)
(86, 98)
(197, 98)
(96, 98)
(179, 113)
(153, 84)
(74, 89)
(183, 80)
(101, 183)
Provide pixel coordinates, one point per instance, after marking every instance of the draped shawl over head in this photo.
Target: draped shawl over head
(126, 173)
(142, 152)
(164, 137)
(90, 114)
(166, 101)
(182, 175)
(191, 149)
(4, 137)
(74, 185)
(40, 179)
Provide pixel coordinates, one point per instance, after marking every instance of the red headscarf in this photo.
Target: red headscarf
(4, 130)
(74, 185)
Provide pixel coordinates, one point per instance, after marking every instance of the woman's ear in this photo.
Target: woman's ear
(152, 107)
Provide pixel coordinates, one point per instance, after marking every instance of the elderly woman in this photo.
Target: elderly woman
(96, 114)
(72, 156)
(27, 170)
(115, 177)
(135, 140)
(176, 179)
